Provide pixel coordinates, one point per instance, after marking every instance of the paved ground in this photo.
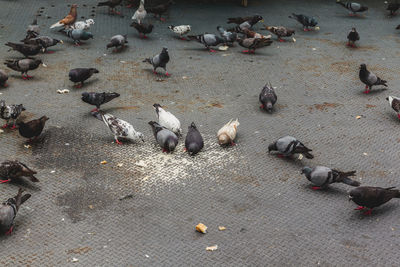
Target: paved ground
(271, 215)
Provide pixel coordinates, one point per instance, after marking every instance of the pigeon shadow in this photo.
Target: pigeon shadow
(25, 183)
(374, 91)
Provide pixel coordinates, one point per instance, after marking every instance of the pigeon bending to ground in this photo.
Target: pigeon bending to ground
(8, 211)
(160, 9)
(207, 40)
(120, 128)
(78, 35)
(395, 104)
(111, 6)
(194, 141)
(305, 21)
(142, 28)
(248, 24)
(369, 79)
(280, 32)
(140, 14)
(159, 61)
(253, 43)
(352, 7)
(3, 78)
(10, 112)
(240, 20)
(393, 7)
(26, 49)
(227, 134)
(118, 41)
(24, 65)
(164, 137)
(229, 37)
(32, 129)
(44, 41)
(253, 34)
(98, 99)
(83, 25)
(168, 120)
(372, 197)
(288, 146)
(80, 75)
(69, 20)
(267, 98)
(13, 170)
(353, 36)
(181, 30)
(321, 177)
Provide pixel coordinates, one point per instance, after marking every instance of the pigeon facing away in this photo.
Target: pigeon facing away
(372, 197)
(159, 61)
(207, 40)
(80, 75)
(160, 9)
(181, 30)
(119, 128)
(369, 79)
(227, 134)
(98, 99)
(26, 49)
(44, 41)
(280, 32)
(352, 7)
(194, 141)
(168, 120)
(240, 20)
(229, 37)
(353, 36)
(164, 137)
(267, 98)
(305, 21)
(10, 112)
(3, 78)
(140, 14)
(83, 25)
(9, 210)
(111, 6)
(13, 170)
(288, 146)
(321, 177)
(32, 129)
(69, 19)
(395, 104)
(253, 43)
(78, 35)
(118, 41)
(33, 30)
(393, 7)
(142, 28)
(24, 65)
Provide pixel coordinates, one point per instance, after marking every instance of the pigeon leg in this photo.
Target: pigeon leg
(281, 40)
(185, 149)
(245, 51)
(117, 141)
(367, 91)
(28, 76)
(144, 36)
(359, 208)
(167, 74)
(155, 72)
(252, 51)
(5, 85)
(10, 230)
(261, 106)
(162, 19)
(24, 77)
(95, 109)
(233, 143)
(13, 127)
(316, 187)
(368, 212)
(164, 150)
(49, 52)
(4, 181)
(306, 29)
(5, 125)
(212, 50)
(280, 156)
(398, 116)
(129, 6)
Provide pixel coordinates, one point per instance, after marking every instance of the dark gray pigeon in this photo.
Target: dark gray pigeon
(98, 99)
(3, 78)
(10, 112)
(353, 36)
(164, 137)
(118, 41)
(194, 141)
(26, 49)
(288, 146)
(78, 35)
(207, 40)
(24, 65)
(44, 41)
(305, 21)
(80, 75)
(13, 170)
(353, 7)
(159, 61)
(369, 79)
(267, 98)
(8, 211)
(321, 177)
(229, 37)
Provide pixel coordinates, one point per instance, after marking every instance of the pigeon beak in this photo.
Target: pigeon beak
(44, 65)
(61, 42)
(350, 198)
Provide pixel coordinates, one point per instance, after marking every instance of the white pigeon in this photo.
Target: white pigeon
(227, 134)
(168, 120)
(140, 14)
(83, 25)
(395, 104)
(181, 29)
(120, 128)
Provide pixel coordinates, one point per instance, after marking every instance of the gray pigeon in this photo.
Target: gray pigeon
(288, 146)
(207, 40)
(80, 75)
(10, 112)
(194, 141)
(78, 35)
(369, 79)
(3, 78)
(97, 99)
(164, 137)
(33, 28)
(23, 66)
(118, 41)
(321, 177)
(159, 61)
(267, 98)
(8, 211)
(13, 170)
(353, 7)
(229, 37)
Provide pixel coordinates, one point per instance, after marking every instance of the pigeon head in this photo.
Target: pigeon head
(164, 50)
(171, 144)
(94, 70)
(21, 107)
(353, 29)
(363, 67)
(313, 22)
(223, 139)
(356, 193)
(43, 118)
(171, 27)
(90, 21)
(268, 106)
(256, 19)
(85, 96)
(272, 147)
(192, 125)
(306, 170)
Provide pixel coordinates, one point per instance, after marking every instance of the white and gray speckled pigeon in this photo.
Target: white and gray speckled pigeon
(369, 79)
(181, 30)
(168, 120)
(159, 61)
(194, 141)
(164, 137)
(10, 112)
(288, 146)
(12, 170)
(353, 7)
(207, 40)
(321, 177)
(83, 25)
(3, 78)
(118, 41)
(394, 104)
(140, 13)
(227, 134)
(229, 37)
(8, 211)
(267, 98)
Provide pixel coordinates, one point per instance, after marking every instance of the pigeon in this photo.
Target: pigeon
(32, 129)
(142, 28)
(83, 25)
(253, 43)
(353, 36)
(352, 7)
(44, 41)
(321, 177)
(194, 141)
(33, 30)
(160, 9)
(3, 78)
(80, 75)
(280, 32)
(10, 112)
(288, 146)
(13, 170)
(240, 20)
(164, 137)
(69, 20)
(369, 79)
(372, 197)
(305, 21)
(78, 35)
(119, 128)
(229, 37)
(168, 120)
(118, 41)
(227, 134)
(181, 30)
(26, 49)
(159, 61)
(98, 99)
(111, 6)
(393, 7)
(24, 65)
(8, 211)
(140, 14)
(267, 98)
(207, 40)
(253, 34)
(395, 104)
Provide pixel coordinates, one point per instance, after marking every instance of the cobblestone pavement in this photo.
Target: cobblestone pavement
(271, 215)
